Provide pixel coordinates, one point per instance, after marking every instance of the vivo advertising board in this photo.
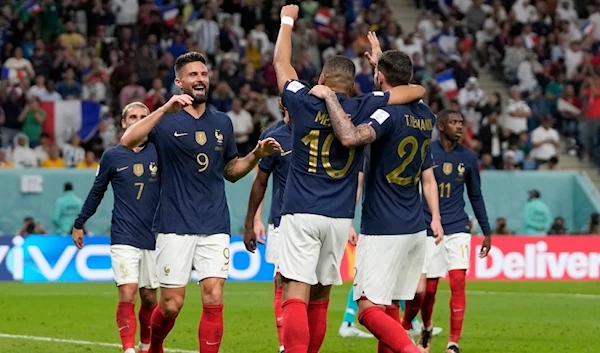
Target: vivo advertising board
(55, 259)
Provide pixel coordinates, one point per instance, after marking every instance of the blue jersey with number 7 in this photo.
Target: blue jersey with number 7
(323, 174)
(392, 200)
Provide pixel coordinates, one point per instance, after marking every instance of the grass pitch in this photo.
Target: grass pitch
(503, 317)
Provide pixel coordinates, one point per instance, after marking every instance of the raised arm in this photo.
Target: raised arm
(138, 132)
(406, 94)
(282, 57)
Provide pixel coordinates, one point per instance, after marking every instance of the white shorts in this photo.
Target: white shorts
(388, 267)
(453, 253)
(177, 254)
(432, 252)
(272, 244)
(133, 265)
(312, 249)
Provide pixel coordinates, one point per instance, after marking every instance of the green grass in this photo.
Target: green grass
(504, 317)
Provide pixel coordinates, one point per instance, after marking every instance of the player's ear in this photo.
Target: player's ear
(123, 124)
(321, 79)
(177, 82)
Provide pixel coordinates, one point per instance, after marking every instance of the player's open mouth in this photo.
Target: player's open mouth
(199, 89)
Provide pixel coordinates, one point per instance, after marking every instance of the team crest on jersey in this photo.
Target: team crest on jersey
(124, 271)
(153, 169)
(138, 169)
(219, 137)
(447, 168)
(461, 170)
(201, 137)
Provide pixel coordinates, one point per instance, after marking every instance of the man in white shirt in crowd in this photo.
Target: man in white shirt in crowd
(516, 113)
(469, 98)
(545, 142)
(21, 154)
(242, 126)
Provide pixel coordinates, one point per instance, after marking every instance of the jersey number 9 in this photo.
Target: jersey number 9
(312, 140)
(395, 176)
(202, 159)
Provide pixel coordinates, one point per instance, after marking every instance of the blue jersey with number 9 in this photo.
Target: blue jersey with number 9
(324, 174)
(392, 201)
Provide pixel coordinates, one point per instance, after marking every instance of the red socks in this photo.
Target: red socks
(126, 323)
(161, 326)
(428, 301)
(210, 329)
(412, 309)
(296, 335)
(317, 324)
(392, 311)
(278, 313)
(387, 330)
(145, 316)
(457, 303)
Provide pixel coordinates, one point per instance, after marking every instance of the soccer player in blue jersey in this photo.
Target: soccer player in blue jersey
(392, 246)
(135, 180)
(197, 152)
(319, 198)
(457, 167)
(277, 165)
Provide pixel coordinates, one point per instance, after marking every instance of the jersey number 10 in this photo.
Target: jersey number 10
(312, 140)
(395, 176)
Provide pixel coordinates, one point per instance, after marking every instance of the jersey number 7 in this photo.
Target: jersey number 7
(394, 177)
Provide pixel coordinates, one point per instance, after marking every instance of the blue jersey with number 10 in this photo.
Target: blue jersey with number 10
(324, 174)
(392, 201)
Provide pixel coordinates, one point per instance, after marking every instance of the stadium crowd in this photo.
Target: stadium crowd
(117, 52)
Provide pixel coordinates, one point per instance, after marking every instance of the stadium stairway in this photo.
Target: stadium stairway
(407, 15)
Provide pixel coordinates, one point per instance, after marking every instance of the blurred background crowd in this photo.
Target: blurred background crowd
(103, 54)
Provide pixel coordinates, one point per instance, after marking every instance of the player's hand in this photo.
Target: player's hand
(250, 239)
(376, 52)
(352, 237)
(320, 91)
(259, 230)
(438, 231)
(290, 11)
(486, 245)
(77, 236)
(267, 147)
(177, 103)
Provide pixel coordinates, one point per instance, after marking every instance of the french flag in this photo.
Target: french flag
(11, 74)
(447, 83)
(32, 7)
(322, 22)
(68, 117)
(169, 14)
(588, 28)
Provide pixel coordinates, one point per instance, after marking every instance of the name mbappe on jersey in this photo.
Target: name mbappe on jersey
(192, 154)
(324, 174)
(392, 203)
(135, 181)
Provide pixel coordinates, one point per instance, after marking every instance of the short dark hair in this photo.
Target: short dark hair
(444, 115)
(68, 186)
(187, 58)
(396, 66)
(340, 68)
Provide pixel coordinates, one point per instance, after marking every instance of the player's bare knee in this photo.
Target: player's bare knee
(212, 291)
(422, 285)
(171, 301)
(319, 292)
(128, 293)
(148, 297)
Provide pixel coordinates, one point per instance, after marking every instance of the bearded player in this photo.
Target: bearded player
(392, 246)
(457, 168)
(135, 180)
(197, 152)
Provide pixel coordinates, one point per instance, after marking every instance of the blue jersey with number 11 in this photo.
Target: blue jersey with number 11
(324, 174)
(392, 201)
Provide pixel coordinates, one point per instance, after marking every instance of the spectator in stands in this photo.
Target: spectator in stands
(72, 152)
(69, 88)
(89, 161)
(591, 123)
(21, 154)
(95, 81)
(552, 164)
(20, 65)
(536, 215)
(469, 98)
(492, 139)
(593, 227)
(516, 113)
(51, 95)
(32, 118)
(501, 227)
(10, 125)
(41, 151)
(545, 141)
(486, 162)
(133, 92)
(39, 89)
(66, 209)
(30, 226)
(242, 126)
(53, 160)
(558, 227)
(569, 108)
(4, 162)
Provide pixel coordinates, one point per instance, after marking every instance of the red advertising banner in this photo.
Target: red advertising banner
(525, 258)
